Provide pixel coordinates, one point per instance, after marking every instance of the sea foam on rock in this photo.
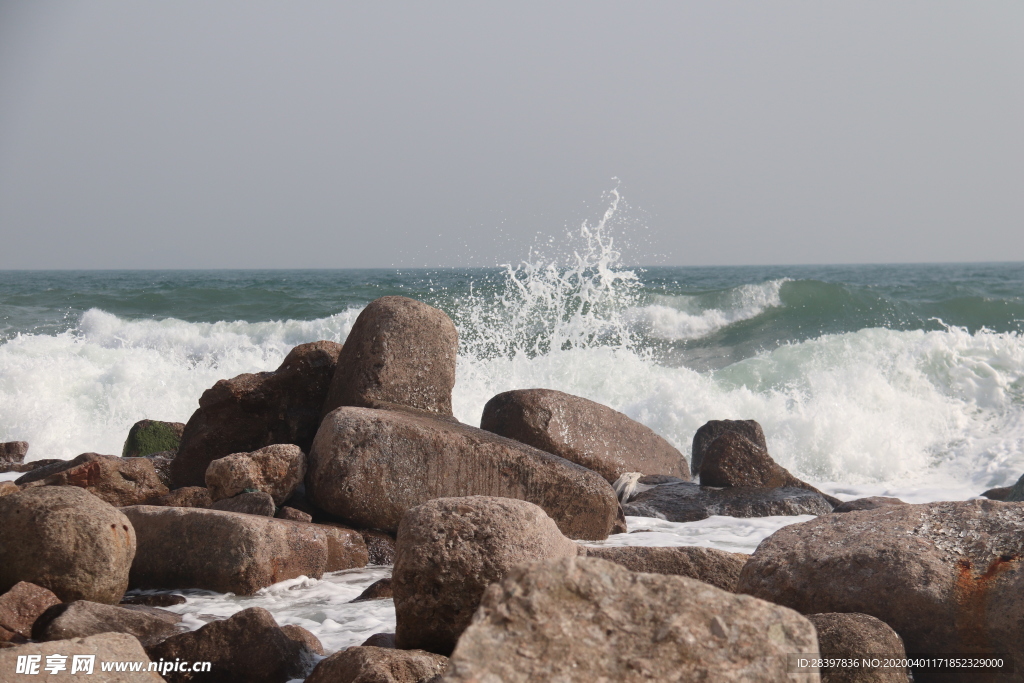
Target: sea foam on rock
(450, 549)
(400, 352)
(250, 411)
(371, 466)
(583, 432)
(946, 576)
(584, 619)
(67, 540)
(221, 551)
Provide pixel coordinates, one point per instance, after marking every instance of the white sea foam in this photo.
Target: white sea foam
(678, 318)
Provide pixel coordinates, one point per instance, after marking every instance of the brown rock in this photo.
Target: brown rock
(294, 515)
(688, 502)
(29, 466)
(13, 451)
(162, 614)
(346, 548)
(999, 493)
(277, 469)
(866, 504)
(852, 636)
(248, 412)
(371, 466)
(716, 567)
(154, 600)
(450, 550)
(185, 497)
(67, 540)
(8, 487)
(1016, 493)
(714, 429)
(147, 437)
(380, 640)
(583, 619)
(366, 664)
(107, 647)
(250, 503)
(732, 460)
(118, 481)
(162, 465)
(22, 605)
(378, 590)
(249, 647)
(583, 432)
(82, 618)
(221, 551)
(400, 352)
(380, 546)
(304, 637)
(946, 576)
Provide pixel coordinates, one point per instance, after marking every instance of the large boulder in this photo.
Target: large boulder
(367, 664)
(248, 647)
(147, 437)
(67, 540)
(21, 606)
(450, 550)
(851, 637)
(688, 502)
(248, 412)
(371, 466)
(221, 551)
(81, 652)
(584, 619)
(13, 451)
(118, 481)
(82, 618)
(716, 567)
(583, 432)
(277, 469)
(946, 576)
(733, 460)
(400, 352)
(715, 428)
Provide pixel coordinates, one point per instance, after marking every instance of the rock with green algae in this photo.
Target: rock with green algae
(152, 436)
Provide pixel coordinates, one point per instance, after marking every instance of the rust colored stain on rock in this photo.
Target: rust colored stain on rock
(972, 597)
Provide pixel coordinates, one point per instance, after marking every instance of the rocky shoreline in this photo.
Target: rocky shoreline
(349, 455)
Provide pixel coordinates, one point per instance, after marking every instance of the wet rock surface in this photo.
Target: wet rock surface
(715, 428)
(687, 502)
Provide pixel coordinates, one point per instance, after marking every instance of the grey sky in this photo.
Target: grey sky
(203, 134)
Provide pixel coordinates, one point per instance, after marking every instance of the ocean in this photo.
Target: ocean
(899, 380)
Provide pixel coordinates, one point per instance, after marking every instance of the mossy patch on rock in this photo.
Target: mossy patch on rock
(152, 436)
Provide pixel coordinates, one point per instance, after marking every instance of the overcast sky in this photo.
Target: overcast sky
(214, 134)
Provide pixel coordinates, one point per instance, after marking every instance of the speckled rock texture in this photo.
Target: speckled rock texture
(221, 551)
(400, 352)
(716, 567)
(368, 664)
(118, 481)
(947, 576)
(852, 636)
(66, 540)
(277, 470)
(583, 432)
(106, 647)
(371, 466)
(584, 619)
(450, 550)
